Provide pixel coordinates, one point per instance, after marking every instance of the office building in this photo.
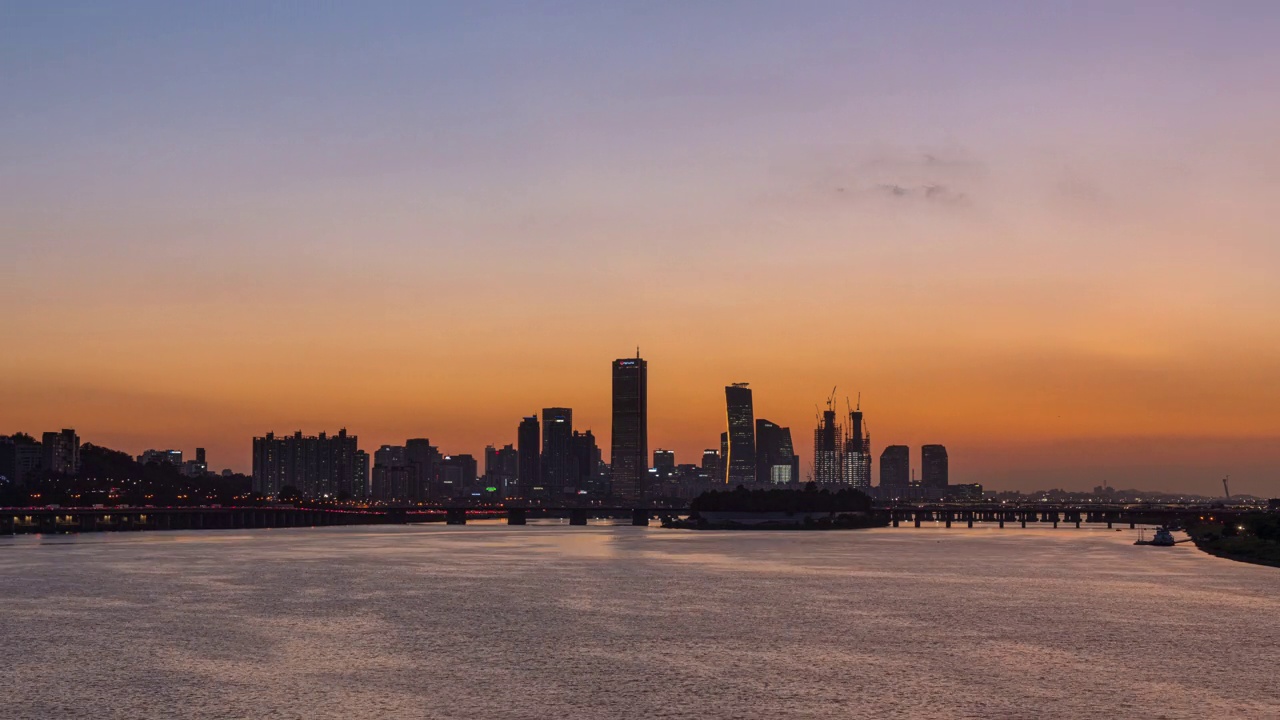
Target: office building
(776, 461)
(629, 455)
(664, 460)
(933, 466)
(895, 467)
(740, 465)
(711, 464)
(502, 470)
(161, 457)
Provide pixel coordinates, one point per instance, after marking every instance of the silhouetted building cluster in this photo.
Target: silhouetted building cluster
(312, 466)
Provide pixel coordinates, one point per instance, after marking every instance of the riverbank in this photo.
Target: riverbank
(1248, 541)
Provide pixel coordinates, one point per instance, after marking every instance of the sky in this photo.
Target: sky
(1043, 234)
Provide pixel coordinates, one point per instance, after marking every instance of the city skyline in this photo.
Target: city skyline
(419, 220)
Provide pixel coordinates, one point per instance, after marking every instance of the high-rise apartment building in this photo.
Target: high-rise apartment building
(529, 444)
(740, 465)
(629, 455)
(317, 466)
(895, 467)
(558, 470)
(422, 459)
(62, 452)
(392, 477)
(502, 470)
(586, 461)
(933, 466)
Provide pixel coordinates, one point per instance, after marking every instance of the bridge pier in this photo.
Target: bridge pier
(948, 516)
(578, 516)
(895, 520)
(516, 516)
(640, 517)
(455, 516)
(917, 517)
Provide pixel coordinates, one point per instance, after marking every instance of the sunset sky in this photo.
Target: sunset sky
(1046, 235)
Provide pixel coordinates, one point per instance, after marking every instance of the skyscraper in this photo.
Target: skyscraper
(629, 456)
(857, 453)
(557, 451)
(530, 448)
(933, 466)
(895, 467)
(828, 452)
(741, 463)
(775, 456)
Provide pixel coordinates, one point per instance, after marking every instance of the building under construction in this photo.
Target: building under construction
(841, 453)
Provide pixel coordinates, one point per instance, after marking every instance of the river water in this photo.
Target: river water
(552, 621)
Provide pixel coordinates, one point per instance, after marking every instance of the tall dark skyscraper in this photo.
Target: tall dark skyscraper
(775, 457)
(629, 456)
(741, 463)
(529, 444)
(933, 466)
(895, 466)
(557, 451)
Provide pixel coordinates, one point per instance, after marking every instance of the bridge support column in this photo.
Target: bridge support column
(895, 520)
(1133, 525)
(455, 516)
(578, 516)
(917, 517)
(640, 517)
(971, 520)
(948, 516)
(516, 516)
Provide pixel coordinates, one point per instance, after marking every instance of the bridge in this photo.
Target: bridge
(108, 519)
(99, 519)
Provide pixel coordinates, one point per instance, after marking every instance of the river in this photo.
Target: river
(552, 621)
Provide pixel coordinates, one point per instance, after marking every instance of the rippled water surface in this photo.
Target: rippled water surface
(551, 621)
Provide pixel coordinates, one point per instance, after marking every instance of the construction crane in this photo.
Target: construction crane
(831, 400)
(1226, 489)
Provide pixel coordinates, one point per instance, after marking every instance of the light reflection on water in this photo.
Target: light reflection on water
(547, 620)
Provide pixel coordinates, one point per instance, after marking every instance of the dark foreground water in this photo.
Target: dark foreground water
(486, 621)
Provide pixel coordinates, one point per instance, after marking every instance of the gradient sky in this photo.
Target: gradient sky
(1045, 234)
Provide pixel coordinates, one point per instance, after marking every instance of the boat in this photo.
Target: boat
(1162, 538)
